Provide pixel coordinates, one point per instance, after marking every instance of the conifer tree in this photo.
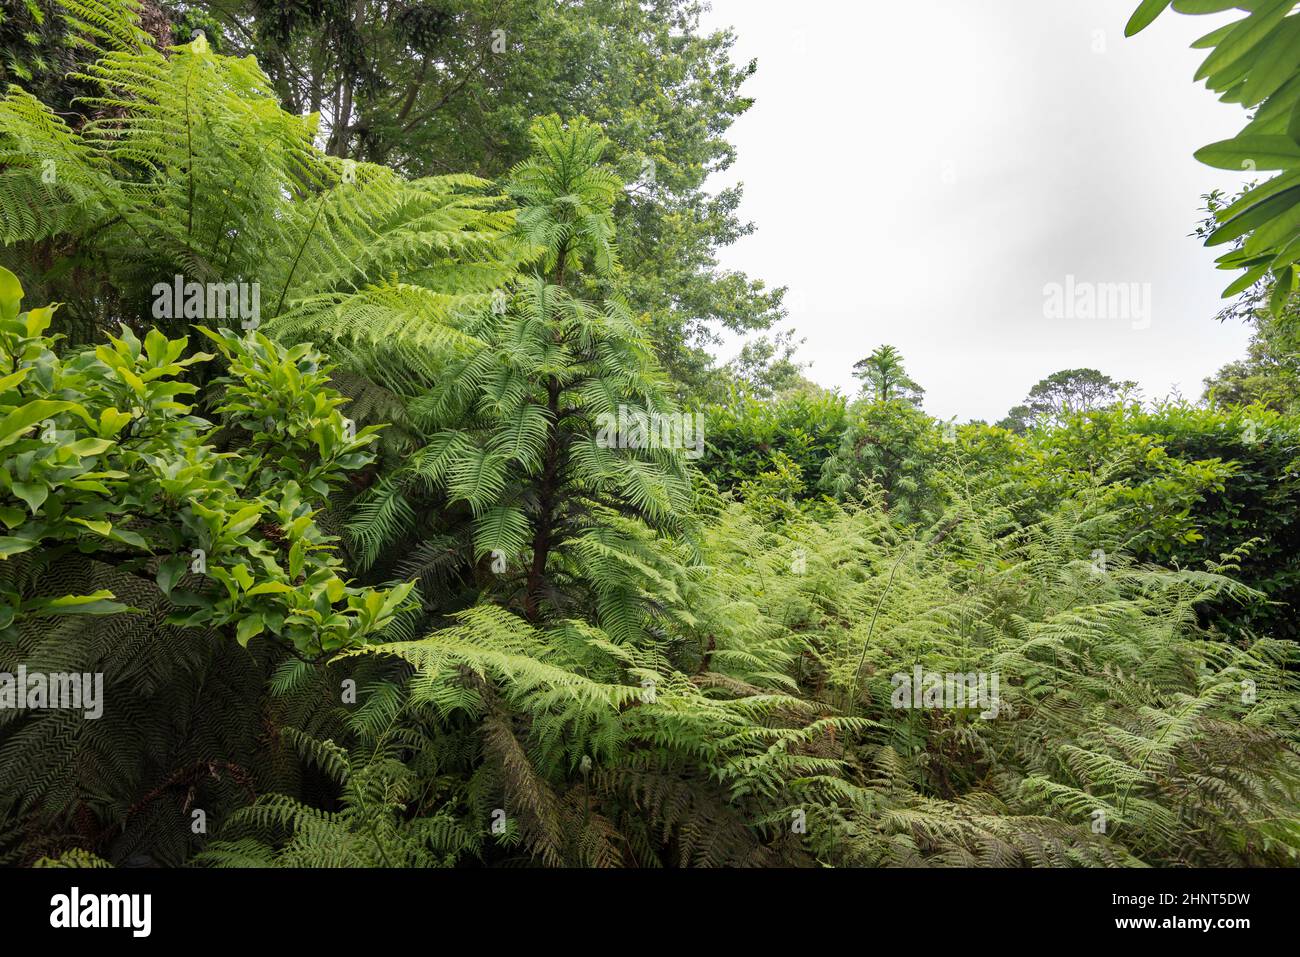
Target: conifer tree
(884, 379)
(562, 421)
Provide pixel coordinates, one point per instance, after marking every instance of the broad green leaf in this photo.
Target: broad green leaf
(1258, 194)
(249, 628)
(1282, 289)
(1249, 32)
(11, 294)
(1246, 280)
(1255, 216)
(38, 320)
(12, 546)
(133, 380)
(109, 531)
(1251, 153)
(85, 448)
(1212, 38)
(1278, 58)
(111, 421)
(12, 380)
(1144, 15)
(270, 588)
(1290, 254)
(155, 347)
(98, 603)
(1197, 7)
(1278, 230)
(33, 493)
(13, 425)
(170, 571)
(244, 519)
(242, 575)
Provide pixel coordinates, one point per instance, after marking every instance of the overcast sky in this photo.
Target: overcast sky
(920, 170)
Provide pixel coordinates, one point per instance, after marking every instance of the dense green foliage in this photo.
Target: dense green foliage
(1252, 62)
(746, 433)
(434, 87)
(453, 551)
(1213, 481)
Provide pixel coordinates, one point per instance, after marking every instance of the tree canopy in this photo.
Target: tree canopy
(1063, 394)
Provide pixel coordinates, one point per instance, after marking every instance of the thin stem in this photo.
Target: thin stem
(853, 691)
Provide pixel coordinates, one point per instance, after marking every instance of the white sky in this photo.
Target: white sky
(919, 170)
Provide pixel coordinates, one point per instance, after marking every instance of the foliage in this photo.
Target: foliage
(429, 87)
(779, 688)
(1256, 506)
(1270, 372)
(46, 44)
(103, 459)
(33, 43)
(173, 556)
(1062, 394)
(884, 379)
(890, 445)
(422, 569)
(188, 167)
(745, 433)
(1206, 483)
(556, 426)
(887, 442)
(766, 367)
(1109, 712)
(1269, 375)
(1251, 63)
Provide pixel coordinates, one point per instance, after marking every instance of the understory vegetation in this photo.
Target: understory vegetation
(383, 478)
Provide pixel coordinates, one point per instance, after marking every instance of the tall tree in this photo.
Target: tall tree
(884, 379)
(887, 442)
(1063, 394)
(766, 368)
(555, 429)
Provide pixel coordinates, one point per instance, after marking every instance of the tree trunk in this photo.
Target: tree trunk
(548, 487)
(547, 490)
(343, 120)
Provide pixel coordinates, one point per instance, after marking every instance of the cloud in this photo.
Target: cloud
(919, 171)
